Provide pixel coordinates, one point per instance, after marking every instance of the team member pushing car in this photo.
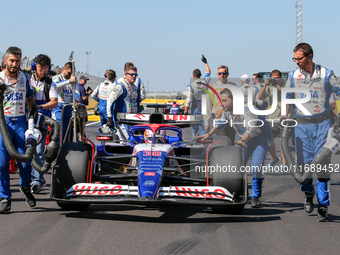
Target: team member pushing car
(311, 131)
(254, 140)
(18, 92)
(46, 98)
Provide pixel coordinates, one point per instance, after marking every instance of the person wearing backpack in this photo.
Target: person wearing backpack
(102, 92)
(46, 98)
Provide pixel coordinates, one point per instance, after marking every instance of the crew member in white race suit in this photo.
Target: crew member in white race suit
(64, 83)
(102, 91)
(46, 96)
(17, 93)
(311, 131)
(125, 96)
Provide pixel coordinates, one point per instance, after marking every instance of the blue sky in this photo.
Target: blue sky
(248, 36)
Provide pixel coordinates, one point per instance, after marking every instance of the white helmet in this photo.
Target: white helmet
(148, 136)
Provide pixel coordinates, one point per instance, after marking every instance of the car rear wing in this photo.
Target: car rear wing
(181, 121)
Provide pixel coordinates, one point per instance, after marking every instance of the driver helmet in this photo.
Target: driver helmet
(148, 136)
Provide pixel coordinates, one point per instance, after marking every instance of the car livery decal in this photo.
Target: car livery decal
(150, 170)
(188, 192)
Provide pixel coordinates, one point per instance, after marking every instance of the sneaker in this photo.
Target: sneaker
(322, 213)
(36, 186)
(30, 200)
(5, 205)
(255, 202)
(273, 162)
(308, 204)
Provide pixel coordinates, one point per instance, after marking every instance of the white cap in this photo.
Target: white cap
(245, 78)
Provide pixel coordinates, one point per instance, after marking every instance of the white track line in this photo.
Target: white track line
(92, 123)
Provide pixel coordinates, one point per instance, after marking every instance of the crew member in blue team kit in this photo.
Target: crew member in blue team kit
(311, 130)
(125, 97)
(46, 98)
(254, 140)
(64, 83)
(138, 82)
(194, 94)
(17, 93)
(102, 91)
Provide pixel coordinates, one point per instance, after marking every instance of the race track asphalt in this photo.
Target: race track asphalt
(280, 226)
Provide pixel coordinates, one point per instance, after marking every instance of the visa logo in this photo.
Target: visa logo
(67, 91)
(15, 96)
(312, 94)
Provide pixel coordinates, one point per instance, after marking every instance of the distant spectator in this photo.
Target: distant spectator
(84, 94)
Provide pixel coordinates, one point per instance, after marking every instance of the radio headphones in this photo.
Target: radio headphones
(34, 67)
(42, 59)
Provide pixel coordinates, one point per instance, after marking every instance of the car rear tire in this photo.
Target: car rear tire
(73, 160)
(228, 162)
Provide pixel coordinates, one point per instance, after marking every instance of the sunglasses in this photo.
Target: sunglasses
(223, 73)
(133, 74)
(298, 59)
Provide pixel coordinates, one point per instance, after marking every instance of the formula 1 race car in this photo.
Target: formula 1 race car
(172, 107)
(153, 166)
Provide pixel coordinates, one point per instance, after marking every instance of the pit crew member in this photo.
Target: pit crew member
(215, 110)
(195, 91)
(311, 130)
(46, 98)
(65, 82)
(254, 139)
(125, 97)
(17, 93)
(102, 92)
(267, 92)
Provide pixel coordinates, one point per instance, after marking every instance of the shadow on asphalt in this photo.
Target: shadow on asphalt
(175, 214)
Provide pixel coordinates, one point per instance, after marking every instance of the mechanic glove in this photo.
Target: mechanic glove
(186, 108)
(141, 108)
(110, 122)
(204, 60)
(34, 111)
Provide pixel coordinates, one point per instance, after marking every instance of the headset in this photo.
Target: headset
(34, 67)
(44, 57)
